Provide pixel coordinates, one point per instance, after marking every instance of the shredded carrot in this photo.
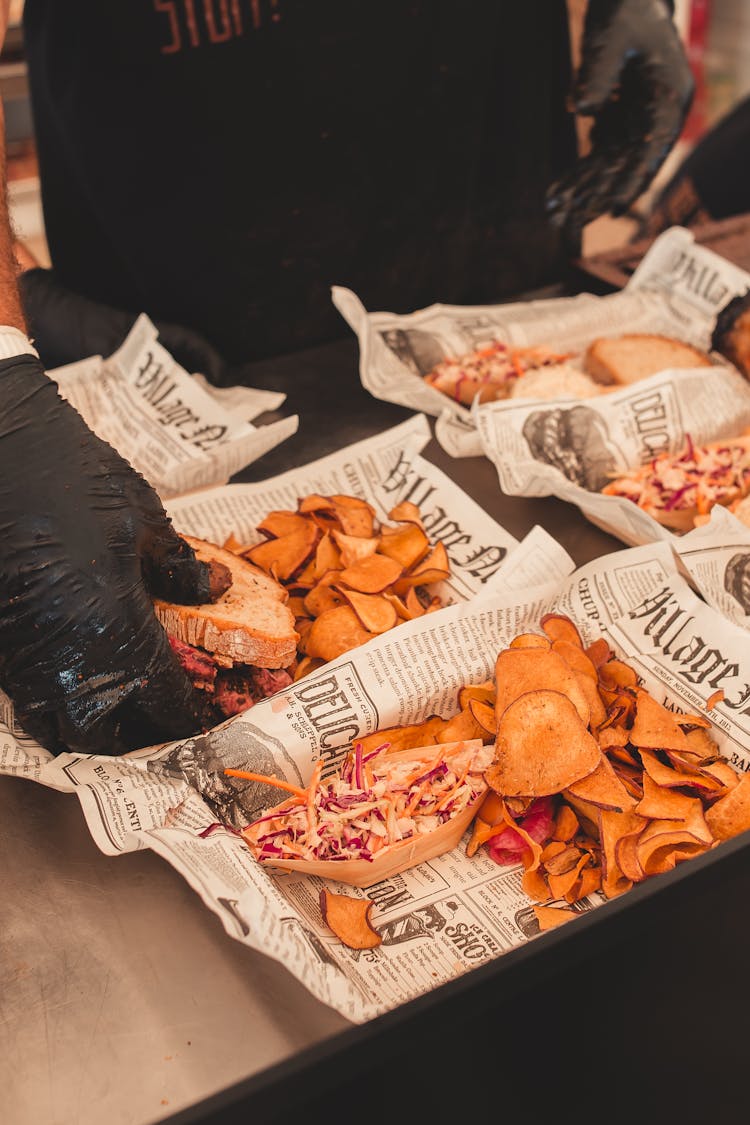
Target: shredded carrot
(295, 789)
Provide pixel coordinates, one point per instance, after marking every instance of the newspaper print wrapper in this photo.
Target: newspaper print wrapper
(445, 917)
(716, 558)
(676, 291)
(180, 432)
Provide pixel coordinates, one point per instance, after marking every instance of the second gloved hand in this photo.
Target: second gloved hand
(636, 82)
(84, 542)
(66, 327)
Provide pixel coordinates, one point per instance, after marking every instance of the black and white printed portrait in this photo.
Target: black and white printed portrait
(737, 580)
(419, 351)
(573, 440)
(201, 762)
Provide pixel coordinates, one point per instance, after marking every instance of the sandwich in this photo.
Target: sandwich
(678, 489)
(240, 648)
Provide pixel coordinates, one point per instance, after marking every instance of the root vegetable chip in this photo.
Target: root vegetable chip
(549, 917)
(603, 788)
(349, 919)
(335, 632)
(561, 628)
(655, 728)
(521, 670)
(407, 545)
(575, 658)
(731, 814)
(283, 557)
(375, 612)
(542, 746)
(530, 640)
(372, 575)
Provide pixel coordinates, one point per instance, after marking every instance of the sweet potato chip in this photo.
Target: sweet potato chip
(614, 736)
(541, 747)
(599, 652)
(233, 544)
(558, 627)
(530, 640)
(356, 516)
(534, 884)
(353, 548)
(730, 815)
(654, 727)
(566, 824)
(407, 737)
(323, 596)
(335, 632)
(485, 693)
(315, 503)
(327, 554)
(433, 568)
(603, 788)
(575, 658)
(349, 919)
(279, 523)
(406, 512)
(590, 880)
(626, 855)
(561, 884)
(616, 674)
(484, 714)
(520, 670)
(413, 604)
(372, 575)
(713, 700)
(661, 773)
(375, 612)
(597, 710)
(286, 555)
(408, 545)
(612, 827)
(549, 917)
(463, 727)
(667, 856)
(662, 803)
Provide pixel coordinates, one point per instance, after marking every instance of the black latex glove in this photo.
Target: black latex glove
(83, 539)
(635, 81)
(66, 327)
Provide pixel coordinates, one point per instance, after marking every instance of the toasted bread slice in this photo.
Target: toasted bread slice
(621, 360)
(249, 624)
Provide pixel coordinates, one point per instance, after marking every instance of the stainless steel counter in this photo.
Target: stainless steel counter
(122, 1000)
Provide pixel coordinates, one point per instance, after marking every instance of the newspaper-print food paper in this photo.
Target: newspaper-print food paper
(677, 290)
(572, 450)
(717, 558)
(385, 470)
(180, 432)
(443, 918)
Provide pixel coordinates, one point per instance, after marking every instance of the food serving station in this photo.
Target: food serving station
(124, 1001)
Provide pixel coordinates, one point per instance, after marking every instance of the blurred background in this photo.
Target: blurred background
(716, 33)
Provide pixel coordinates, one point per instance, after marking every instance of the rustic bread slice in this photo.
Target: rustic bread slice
(633, 356)
(249, 624)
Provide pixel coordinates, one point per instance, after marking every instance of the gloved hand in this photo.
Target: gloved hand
(66, 327)
(83, 540)
(635, 81)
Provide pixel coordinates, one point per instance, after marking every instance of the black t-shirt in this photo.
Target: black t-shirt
(222, 163)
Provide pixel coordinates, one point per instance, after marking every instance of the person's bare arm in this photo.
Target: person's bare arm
(11, 312)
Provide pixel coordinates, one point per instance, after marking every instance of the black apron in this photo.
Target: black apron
(222, 163)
